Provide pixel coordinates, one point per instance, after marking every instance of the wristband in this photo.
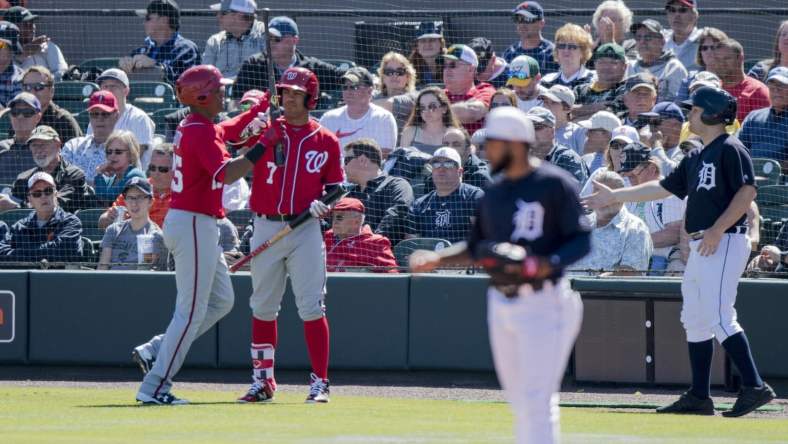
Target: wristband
(254, 154)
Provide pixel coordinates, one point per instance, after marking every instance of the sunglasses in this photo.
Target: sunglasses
(276, 39)
(23, 112)
(399, 72)
(40, 86)
(517, 18)
(710, 47)
(161, 169)
(448, 164)
(498, 104)
(617, 145)
(48, 191)
(679, 10)
(540, 126)
(116, 152)
(569, 46)
(432, 107)
(347, 87)
(99, 115)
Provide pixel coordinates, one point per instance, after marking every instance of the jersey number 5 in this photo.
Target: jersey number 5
(177, 175)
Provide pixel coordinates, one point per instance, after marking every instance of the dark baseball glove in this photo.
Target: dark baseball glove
(507, 264)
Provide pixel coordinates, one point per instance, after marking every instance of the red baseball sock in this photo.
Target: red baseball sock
(316, 334)
(264, 332)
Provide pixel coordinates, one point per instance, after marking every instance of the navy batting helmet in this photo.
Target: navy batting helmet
(718, 106)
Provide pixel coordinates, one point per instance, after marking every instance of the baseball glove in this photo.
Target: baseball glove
(508, 265)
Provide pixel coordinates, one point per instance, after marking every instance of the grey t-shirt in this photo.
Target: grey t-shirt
(402, 107)
(123, 241)
(228, 236)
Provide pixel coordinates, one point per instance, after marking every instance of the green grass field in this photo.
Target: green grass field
(77, 415)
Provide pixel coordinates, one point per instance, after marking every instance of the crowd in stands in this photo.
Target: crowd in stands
(606, 101)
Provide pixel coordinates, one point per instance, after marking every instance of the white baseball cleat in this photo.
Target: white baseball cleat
(318, 390)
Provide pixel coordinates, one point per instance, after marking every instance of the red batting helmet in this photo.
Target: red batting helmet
(301, 79)
(196, 85)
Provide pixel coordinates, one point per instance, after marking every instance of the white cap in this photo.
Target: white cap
(448, 153)
(510, 124)
(604, 120)
(242, 6)
(626, 133)
(39, 176)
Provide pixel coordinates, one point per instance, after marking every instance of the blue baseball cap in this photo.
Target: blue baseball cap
(282, 26)
(780, 74)
(669, 110)
(530, 11)
(429, 30)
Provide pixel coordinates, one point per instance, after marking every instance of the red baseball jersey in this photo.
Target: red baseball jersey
(198, 164)
(313, 159)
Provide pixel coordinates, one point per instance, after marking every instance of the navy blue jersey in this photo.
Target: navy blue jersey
(445, 217)
(540, 211)
(711, 177)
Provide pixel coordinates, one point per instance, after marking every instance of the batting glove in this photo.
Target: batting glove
(318, 209)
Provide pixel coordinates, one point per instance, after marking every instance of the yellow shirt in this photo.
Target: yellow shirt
(685, 131)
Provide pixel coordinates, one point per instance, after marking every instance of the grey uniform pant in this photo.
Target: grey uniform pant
(205, 293)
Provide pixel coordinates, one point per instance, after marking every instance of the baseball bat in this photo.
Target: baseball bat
(333, 196)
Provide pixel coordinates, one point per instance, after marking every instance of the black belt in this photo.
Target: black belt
(512, 291)
(736, 229)
(277, 217)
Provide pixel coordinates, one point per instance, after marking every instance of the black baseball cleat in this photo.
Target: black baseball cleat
(318, 390)
(143, 358)
(258, 393)
(750, 398)
(689, 404)
(160, 399)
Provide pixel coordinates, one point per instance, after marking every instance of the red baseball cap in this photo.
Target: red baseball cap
(253, 95)
(349, 204)
(687, 3)
(103, 100)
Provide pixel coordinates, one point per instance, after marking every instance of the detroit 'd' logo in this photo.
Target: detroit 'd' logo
(315, 161)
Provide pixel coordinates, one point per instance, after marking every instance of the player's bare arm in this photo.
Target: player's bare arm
(425, 261)
(604, 196)
(739, 205)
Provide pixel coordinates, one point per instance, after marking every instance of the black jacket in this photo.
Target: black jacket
(254, 74)
(386, 200)
(408, 162)
(72, 192)
(58, 240)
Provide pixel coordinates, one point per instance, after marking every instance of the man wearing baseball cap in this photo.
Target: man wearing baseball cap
(284, 41)
(683, 37)
(545, 146)
(653, 58)
(88, 152)
(130, 117)
(470, 102)
(350, 243)
(73, 194)
(765, 131)
(667, 119)
(607, 91)
(10, 72)
(529, 22)
(560, 100)
(241, 36)
(640, 97)
(492, 69)
(25, 114)
(524, 77)
(164, 45)
(49, 232)
(37, 50)
(599, 130)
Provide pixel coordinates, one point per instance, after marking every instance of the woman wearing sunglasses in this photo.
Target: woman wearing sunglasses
(573, 48)
(429, 121)
(398, 77)
(123, 158)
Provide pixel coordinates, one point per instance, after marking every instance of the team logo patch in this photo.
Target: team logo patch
(292, 75)
(315, 160)
(442, 218)
(706, 176)
(528, 221)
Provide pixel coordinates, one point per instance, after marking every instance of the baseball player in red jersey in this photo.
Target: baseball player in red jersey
(201, 166)
(301, 160)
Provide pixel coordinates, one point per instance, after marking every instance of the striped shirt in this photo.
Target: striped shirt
(543, 54)
(175, 56)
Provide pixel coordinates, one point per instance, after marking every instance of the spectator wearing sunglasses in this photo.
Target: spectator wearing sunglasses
(573, 46)
(470, 102)
(160, 175)
(524, 78)
(10, 72)
(529, 22)
(130, 117)
(73, 192)
(397, 86)
(359, 117)
(164, 46)
(607, 91)
(448, 211)
(351, 243)
(429, 121)
(475, 171)
(49, 232)
(241, 36)
(683, 37)
(88, 152)
(284, 37)
(545, 146)
(40, 82)
(653, 58)
(122, 165)
(492, 69)
(37, 50)
(25, 114)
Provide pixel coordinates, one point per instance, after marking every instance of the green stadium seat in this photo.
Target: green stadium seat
(11, 216)
(772, 195)
(73, 95)
(152, 96)
(404, 249)
(158, 117)
(767, 171)
(101, 63)
(89, 218)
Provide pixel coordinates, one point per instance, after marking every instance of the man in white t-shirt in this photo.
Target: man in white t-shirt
(131, 118)
(664, 217)
(360, 118)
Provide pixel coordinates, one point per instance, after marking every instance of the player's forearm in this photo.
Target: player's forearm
(641, 193)
(236, 169)
(739, 205)
(456, 256)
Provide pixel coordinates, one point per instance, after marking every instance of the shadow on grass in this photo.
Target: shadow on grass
(140, 405)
